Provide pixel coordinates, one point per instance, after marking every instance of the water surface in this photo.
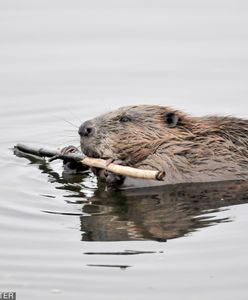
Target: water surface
(66, 237)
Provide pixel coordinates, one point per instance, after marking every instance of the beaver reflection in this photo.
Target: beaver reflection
(158, 214)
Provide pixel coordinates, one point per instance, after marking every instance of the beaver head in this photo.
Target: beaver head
(129, 133)
(156, 137)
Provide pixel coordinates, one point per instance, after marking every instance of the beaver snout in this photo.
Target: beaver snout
(86, 129)
(88, 140)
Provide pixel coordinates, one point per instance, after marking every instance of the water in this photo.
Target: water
(72, 60)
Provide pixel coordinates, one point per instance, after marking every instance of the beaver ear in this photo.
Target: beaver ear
(171, 119)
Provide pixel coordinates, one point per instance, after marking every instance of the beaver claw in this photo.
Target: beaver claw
(114, 181)
(71, 166)
(69, 149)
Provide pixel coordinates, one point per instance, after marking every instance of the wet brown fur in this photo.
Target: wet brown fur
(196, 149)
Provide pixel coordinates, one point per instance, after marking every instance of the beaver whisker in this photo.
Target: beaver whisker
(68, 122)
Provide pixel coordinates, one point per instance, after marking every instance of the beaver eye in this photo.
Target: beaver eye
(124, 119)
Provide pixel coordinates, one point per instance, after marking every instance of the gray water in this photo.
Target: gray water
(71, 60)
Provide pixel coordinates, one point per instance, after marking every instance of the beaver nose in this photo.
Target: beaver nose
(86, 129)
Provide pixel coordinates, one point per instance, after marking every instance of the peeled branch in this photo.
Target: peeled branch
(92, 162)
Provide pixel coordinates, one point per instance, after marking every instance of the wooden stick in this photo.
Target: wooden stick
(123, 170)
(93, 162)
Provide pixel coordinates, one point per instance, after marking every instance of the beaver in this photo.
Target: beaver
(185, 147)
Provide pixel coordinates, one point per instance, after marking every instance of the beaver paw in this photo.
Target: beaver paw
(114, 181)
(69, 149)
(71, 166)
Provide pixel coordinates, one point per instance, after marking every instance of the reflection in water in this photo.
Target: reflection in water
(109, 266)
(127, 252)
(159, 213)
